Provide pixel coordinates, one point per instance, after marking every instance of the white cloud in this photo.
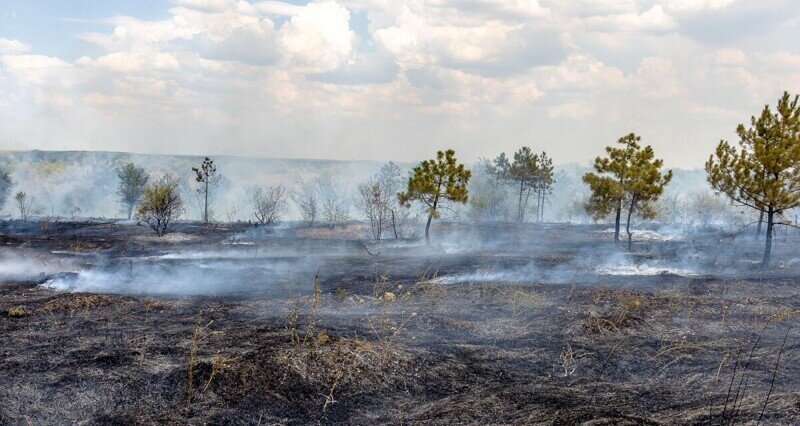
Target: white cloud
(697, 5)
(318, 38)
(730, 56)
(207, 5)
(278, 8)
(653, 19)
(383, 78)
(136, 61)
(13, 46)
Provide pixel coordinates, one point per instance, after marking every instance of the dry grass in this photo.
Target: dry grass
(80, 302)
(80, 246)
(199, 334)
(18, 312)
(349, 231)
(614, 310)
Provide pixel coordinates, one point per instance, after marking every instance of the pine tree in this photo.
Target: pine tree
(521, 174)
(763, 173)
(544, 183)
(435, 181)
(629, 178)
(206, 176)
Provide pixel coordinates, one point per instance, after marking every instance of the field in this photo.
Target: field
(105, 323)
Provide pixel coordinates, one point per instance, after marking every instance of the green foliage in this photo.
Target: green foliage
(488, 200)
(435, 181)
(763, 172)
(629, 177)
(206, 175)
(160, 204)
(6, 183)
(527, 173)
(132, 181)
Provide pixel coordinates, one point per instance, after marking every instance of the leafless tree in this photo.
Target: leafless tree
(397, 219)
(306, 198)
(373, 202)
(26, 206)
(333, 207)
(268, 205)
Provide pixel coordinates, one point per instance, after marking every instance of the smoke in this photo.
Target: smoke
(191, 274)
(28, 265)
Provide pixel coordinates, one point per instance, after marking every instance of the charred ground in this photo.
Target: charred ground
(521, 324)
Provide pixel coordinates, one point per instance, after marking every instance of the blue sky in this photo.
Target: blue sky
(390, 79)
(52, 25)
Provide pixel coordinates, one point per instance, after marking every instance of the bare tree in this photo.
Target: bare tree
(26, 206)
(160, 204)
(373, 202)
(306, 199)
(391, 180)
(268, 206)
(333, 208)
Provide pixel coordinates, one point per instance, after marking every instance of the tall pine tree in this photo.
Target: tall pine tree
(629, 179)
(434, 182)
(763, 173)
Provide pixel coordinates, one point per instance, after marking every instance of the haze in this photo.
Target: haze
(390, 80)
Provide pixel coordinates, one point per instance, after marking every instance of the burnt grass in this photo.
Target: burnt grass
(379, 339)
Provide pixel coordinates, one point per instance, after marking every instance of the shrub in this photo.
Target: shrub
(161, 204)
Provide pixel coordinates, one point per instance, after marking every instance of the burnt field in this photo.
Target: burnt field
(105, 323)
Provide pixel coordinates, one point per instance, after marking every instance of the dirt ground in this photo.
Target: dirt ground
(493, 325)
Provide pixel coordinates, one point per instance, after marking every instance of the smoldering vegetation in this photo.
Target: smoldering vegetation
(493, 323)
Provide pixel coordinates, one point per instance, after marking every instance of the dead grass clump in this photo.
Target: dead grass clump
(332, 367)
(18, 312)
(613, 310)
(151, 305)
(571, 359)
(391, 319)
(79, 246)
(521, 300)
(75, 302)
(196, 375)
(321, 367)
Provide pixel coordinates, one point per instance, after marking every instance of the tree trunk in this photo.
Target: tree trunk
(428, 229)
(768, 244)
(519, 203)
(760, 221)
(539, 200)
(616, 223)
(542, 206)
(394, 225)
(130, 211)
(205, 214)
(432, 212)
(628, 224)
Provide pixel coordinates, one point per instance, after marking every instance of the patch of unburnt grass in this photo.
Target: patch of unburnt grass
(82, 302)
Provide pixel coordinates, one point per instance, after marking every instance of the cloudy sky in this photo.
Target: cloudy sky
(390, 79)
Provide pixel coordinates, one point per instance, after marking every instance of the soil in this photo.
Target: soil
(519, 324)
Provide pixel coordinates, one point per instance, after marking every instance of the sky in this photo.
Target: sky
(390, 79)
